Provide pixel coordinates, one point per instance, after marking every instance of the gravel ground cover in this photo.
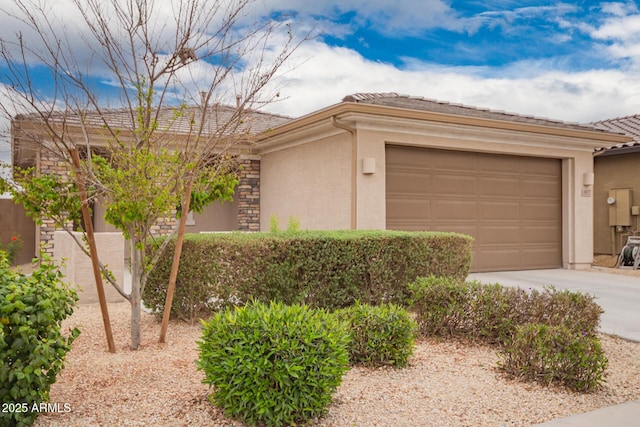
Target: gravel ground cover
(446, 384)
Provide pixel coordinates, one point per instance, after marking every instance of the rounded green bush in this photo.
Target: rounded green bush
(380, 335)
(273, 364)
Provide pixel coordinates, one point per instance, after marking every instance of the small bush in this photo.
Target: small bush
(273, 364)
(491, 313)
(32, 346)
(439, 304)
(382, 335)
(576, 310)
(546, 354)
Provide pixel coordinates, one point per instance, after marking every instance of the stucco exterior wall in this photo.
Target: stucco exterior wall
(218, 216)
(613, 172)
(77, 268)
(311, 182)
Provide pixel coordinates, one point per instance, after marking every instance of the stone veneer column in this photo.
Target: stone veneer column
(51, 163)
(248, 193)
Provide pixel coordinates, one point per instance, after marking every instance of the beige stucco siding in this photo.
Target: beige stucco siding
(219, 216)
(310, 182)
(613, 172)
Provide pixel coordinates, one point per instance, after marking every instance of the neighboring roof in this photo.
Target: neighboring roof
(629, 125)
(393, 99)
(172, 120)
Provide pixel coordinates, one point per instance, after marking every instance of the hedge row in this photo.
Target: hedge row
(320, 269)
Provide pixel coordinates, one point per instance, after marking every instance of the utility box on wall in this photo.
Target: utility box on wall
(620, 207)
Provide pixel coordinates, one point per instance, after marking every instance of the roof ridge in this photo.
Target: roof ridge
(614, 119)
(363, 96)
(372, 97)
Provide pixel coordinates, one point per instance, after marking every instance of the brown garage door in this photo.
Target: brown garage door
(511, 205)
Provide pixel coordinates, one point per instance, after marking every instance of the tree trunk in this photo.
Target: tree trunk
(135, 300)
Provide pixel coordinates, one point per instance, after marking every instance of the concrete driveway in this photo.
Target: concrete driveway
(618, 295)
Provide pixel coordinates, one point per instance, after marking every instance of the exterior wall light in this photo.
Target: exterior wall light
(368, 165)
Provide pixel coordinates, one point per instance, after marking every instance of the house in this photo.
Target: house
(520, 185)
(616, 190)
(30, 149)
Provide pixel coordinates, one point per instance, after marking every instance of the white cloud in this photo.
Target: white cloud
(618, 31)
(332, 73)
(619, 28)
(320, 75)
(387, 17)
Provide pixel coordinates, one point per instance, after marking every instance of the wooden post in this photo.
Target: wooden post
(176, 263)
(88, 226)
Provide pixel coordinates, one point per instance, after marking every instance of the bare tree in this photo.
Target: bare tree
(172, 69)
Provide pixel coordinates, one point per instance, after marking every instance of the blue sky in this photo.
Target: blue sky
(573, 61)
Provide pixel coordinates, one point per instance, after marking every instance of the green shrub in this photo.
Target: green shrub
(576, 310)
(321, 269)
(32, 346)
(273, 364)
(491, 313)
(439, 304)
(380, 335)
(558, 353)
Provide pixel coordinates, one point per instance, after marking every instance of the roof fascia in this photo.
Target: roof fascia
(351, 108)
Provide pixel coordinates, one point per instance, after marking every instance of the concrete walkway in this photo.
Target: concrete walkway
(619, 297)
(625, 414)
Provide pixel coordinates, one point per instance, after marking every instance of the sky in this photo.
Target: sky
(573, 61)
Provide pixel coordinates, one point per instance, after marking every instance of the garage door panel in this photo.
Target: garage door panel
(462, 228)
(540, 166)
(539, 188)
(412, 209)
(498, 165)
(499, 234)
(532, 211)
(442, 160)
(497, 186)
(493, 259)
(405, 159)
(409, 225)
(541, 234)
(510, 205)
(454, 184)
(540, 257)
(454, 209)
(414, 186)
(409, 181)
(500, 211)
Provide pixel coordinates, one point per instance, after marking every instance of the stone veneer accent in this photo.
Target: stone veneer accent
(248, 193)
(51, 163)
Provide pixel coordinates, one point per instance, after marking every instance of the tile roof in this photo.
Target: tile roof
(392, 99)
(253, 121)
(629, 125)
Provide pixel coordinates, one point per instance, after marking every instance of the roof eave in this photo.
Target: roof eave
(344, 108)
